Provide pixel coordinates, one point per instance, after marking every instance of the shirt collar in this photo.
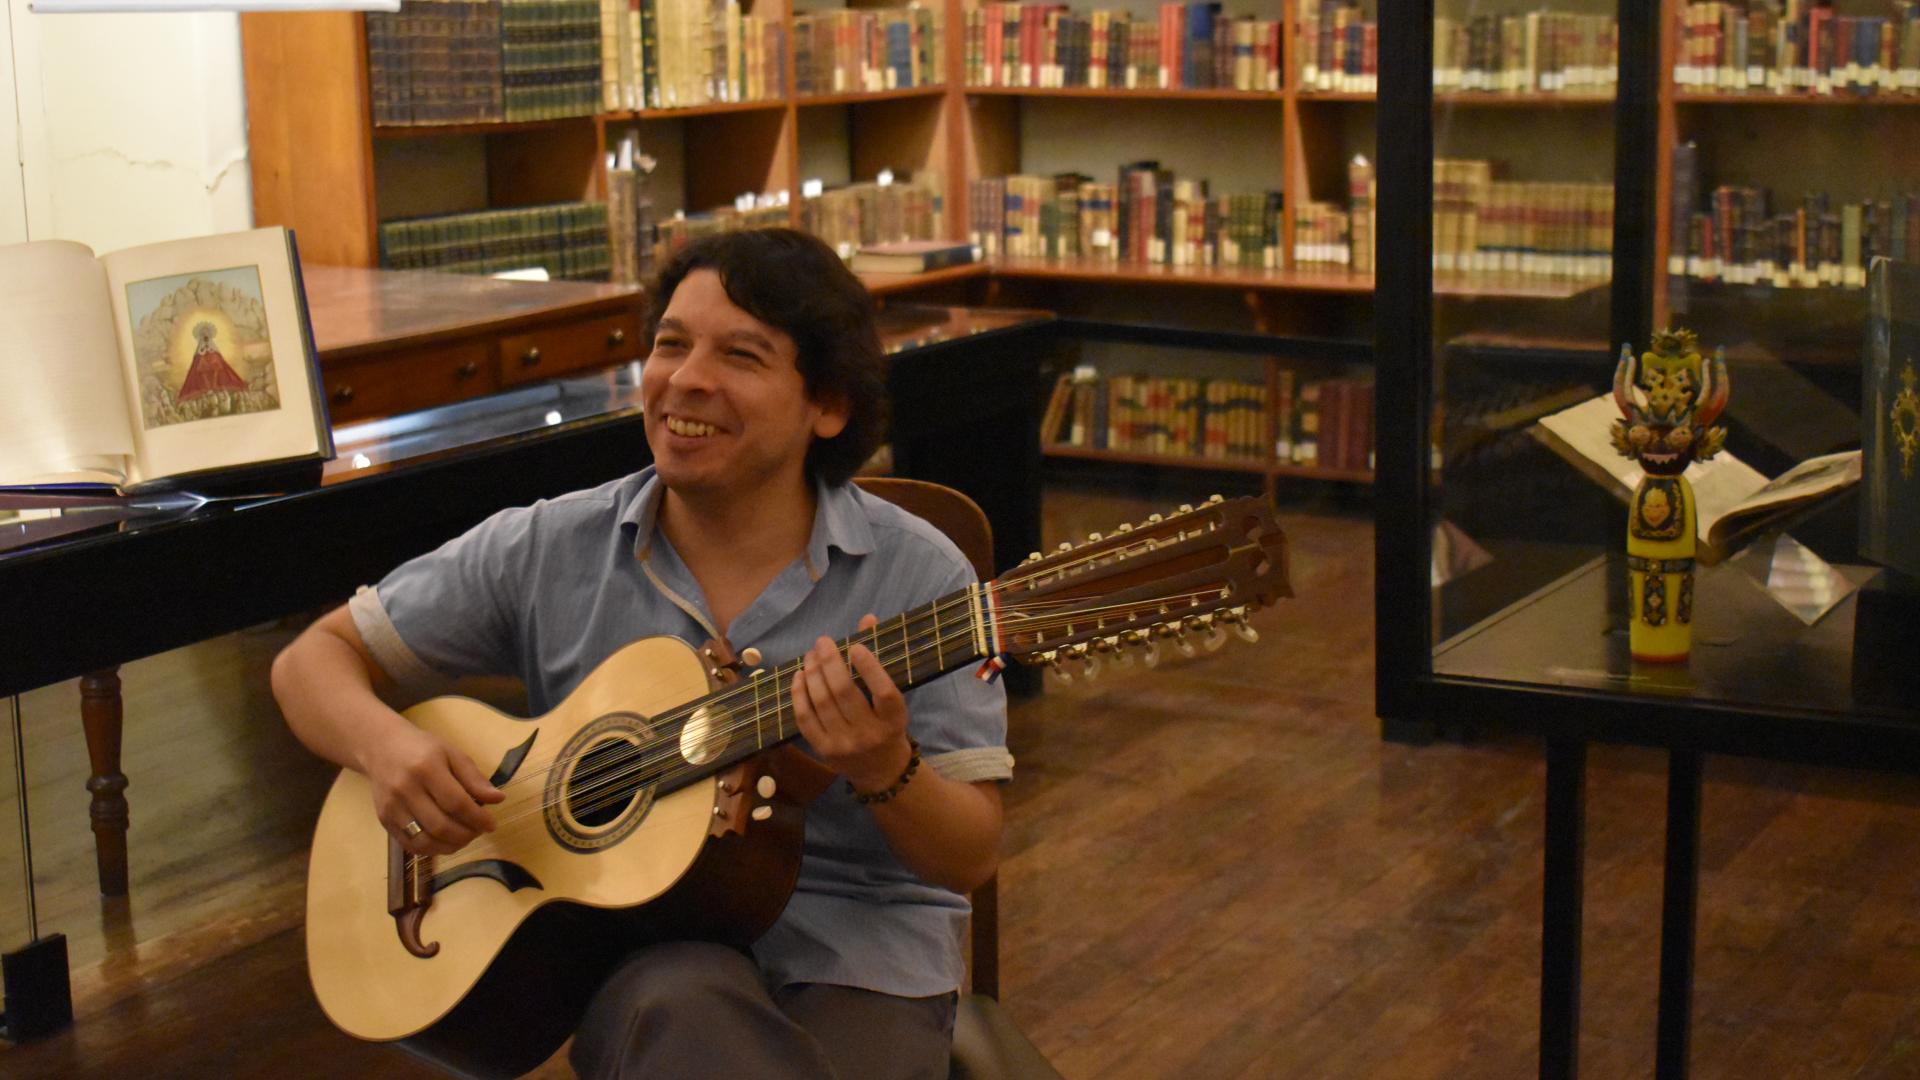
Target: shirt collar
(838, 520)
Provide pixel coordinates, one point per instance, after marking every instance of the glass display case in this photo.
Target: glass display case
(1735, 184)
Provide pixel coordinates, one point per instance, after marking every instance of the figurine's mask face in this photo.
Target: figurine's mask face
(1667, 398)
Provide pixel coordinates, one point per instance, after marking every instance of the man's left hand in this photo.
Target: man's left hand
(862, 734)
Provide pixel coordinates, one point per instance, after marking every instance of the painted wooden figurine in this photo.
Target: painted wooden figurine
(1668, 399)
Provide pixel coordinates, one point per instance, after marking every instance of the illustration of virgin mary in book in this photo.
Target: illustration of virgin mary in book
(209, 371)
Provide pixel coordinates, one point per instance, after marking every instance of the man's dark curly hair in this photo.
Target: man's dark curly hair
(793, 281)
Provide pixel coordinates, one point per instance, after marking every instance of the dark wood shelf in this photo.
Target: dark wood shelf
(1256, 466)
(489, 127)
(1765, 97)
(857, 98)
(887, 284)
(1234, 277)
(1474, 99)
(1143, 94)
(710, 109)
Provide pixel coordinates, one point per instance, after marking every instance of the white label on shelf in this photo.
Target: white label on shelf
(1102, 238)
(885, 179)
(845, 248)
(810, 189)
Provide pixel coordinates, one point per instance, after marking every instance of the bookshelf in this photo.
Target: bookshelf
(1854, 145)
(322, 165)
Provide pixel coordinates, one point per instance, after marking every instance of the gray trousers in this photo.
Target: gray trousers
(690, 1009)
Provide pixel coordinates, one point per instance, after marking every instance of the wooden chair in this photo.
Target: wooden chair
(986, 1044)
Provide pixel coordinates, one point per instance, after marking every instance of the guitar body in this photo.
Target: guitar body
(521, 926)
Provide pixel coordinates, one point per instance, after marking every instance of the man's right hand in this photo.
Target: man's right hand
(418, 778)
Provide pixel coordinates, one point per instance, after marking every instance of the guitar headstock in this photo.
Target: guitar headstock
(1201, 569)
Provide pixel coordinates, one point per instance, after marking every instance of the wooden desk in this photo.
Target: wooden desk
(393, 341)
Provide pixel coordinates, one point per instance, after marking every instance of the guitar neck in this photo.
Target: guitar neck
(756, 713)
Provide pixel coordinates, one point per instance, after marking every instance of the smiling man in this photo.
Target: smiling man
(763, 394)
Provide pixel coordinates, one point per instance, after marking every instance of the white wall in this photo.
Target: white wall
(132, 128)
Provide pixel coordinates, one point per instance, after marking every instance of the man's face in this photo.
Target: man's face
(727, 413)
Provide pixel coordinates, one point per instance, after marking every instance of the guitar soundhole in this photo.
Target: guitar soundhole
(602, 785)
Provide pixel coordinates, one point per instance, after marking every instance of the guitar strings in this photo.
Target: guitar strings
(670, 748)
(614, 782)
(889, 654)
(1022, 578)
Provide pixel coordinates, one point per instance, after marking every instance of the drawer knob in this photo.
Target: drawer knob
(343, 394)
(530, 357)
(617, 338)
(467, 370)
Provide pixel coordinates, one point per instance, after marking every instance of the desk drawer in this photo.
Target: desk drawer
(561, 347)
(403, 381)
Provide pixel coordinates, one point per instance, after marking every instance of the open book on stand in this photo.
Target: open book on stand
(182, 365)
(1734, 501)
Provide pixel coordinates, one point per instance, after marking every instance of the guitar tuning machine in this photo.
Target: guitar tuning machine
(1052, 659)
(1236, 619)
(1215, 499)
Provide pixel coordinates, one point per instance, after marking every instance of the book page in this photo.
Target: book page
(1581, 434)
(216, 351)
(63, 410)
(1804, 483)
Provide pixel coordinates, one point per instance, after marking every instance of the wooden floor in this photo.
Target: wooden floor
(1214, 869)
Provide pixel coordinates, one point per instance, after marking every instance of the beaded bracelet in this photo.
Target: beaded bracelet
(913, 762)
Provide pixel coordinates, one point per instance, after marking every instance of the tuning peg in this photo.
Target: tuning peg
(1065, 546)
(1186, 508)
(1215, 638)
(1125, 528)
(1154, 519)
(1215, 499)
(1035, 557)
(1182, 642)
(1051, 658)
(1093, 538)
(1236, 619)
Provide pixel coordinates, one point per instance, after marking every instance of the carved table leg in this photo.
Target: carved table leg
(100, 713)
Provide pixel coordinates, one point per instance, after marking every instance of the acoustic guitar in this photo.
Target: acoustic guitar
(661, 801)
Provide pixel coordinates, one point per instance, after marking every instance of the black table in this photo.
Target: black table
(1759, 683)
(966, 394)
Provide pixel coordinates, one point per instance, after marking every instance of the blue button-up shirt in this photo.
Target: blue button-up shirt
(547, 592)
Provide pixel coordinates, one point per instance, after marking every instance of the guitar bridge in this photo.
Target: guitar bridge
(409, 895)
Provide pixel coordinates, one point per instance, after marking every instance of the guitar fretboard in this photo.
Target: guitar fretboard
(713, 732)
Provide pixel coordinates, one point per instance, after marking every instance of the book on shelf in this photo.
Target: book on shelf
(1540, 52)
(910, 256)
(1149, 217)
(188, 363)
(1734, 501)
(569, 240)
(1740, 235)
(1188, 46)
(1794, 47)
(870, 212)
(1890, 419)
(867, 51)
